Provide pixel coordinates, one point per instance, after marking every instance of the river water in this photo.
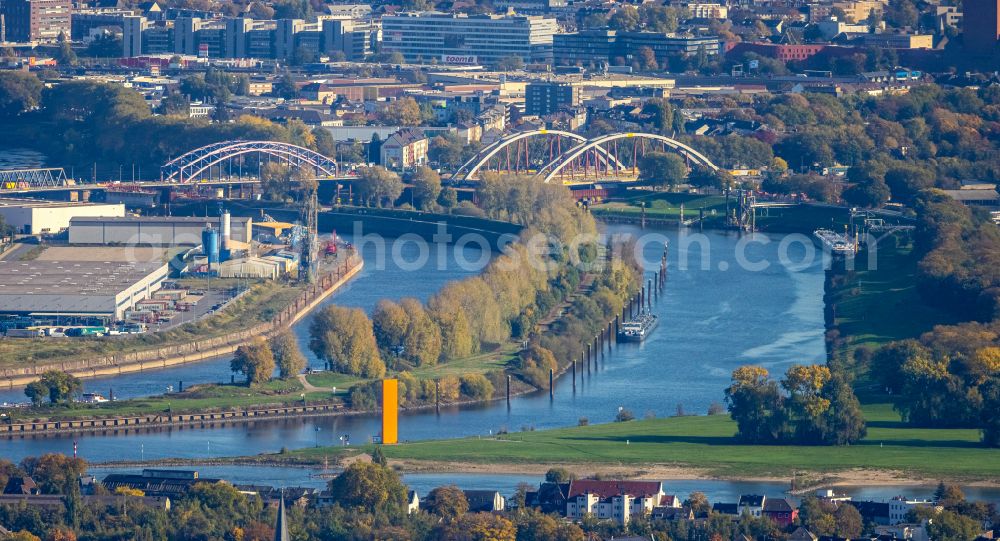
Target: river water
(716, 315)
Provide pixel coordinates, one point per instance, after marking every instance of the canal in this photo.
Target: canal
(729, 301)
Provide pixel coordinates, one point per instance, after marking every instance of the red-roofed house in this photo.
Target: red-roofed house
(612, 500)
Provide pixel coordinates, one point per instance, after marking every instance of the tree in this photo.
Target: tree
(698, 503)
(869, 194)
(422, 341)
(389, 324)
(105, 46)
(378, 457)
(377, 186)
(647, 59)
(662, 169)
(624, 19)
(510, 63)
(58, 386)
(55, 473)
(990, 413)
(950, 526)
(400, 112)
(848, 520)
(324, 142)
(22, 535)
(175, 103)
(344, 338)
(370, 486)
(65, 56)
(559, 475)
(19, 92)
(287, 355)
(255, 360)
(756, 405)
(426, 187)
(286, 87)
(477, 387)
(447, 502)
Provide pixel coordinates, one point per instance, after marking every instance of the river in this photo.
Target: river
(716, 315)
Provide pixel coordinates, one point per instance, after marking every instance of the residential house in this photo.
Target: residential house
(21, 485)
(780, 511)
(750, 504)
(612, 500)
(484, 501)
(875, 512)
(672, 513)
(802, 534)
(404, 149)
(549, 498)
(725, 509)
(899, 508)
(412, 502)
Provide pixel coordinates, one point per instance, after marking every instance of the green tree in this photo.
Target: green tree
(369, 486)
(286, 87)
(662, 169)
(344, 337)
(990, 413)
(255, 360)
(19, 92)
(510, 63)
(624, 19)
(324, 142)
(175, 103)
(447, 502)
(389, 324)
(60, 387)
(105, 46)
(287, 355)
(559, 475)
(377, 186)
(951, 526)
(426, 187)
(400, 112)
(65, 56)
(757, 406)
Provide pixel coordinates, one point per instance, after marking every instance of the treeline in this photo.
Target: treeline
(811, 405)
(85, 123)
(950, 377)
(480, 314)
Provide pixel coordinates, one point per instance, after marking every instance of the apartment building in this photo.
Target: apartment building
(36, 20)
(428, 37)
(344, 39)
(545, 98)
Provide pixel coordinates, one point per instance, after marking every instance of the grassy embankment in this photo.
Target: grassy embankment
(265, 299)
(874, 306)
(666, 206)
(705, 444)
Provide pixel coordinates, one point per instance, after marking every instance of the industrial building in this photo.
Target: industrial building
(86, 289)
(33, 217)
(159, 231)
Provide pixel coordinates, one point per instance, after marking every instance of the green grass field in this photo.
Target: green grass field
(882, 304)
(203, 398)
(706, 443)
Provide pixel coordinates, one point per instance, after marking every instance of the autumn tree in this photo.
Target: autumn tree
(344, 338)
(369, 486)
(287, 354)
(55, 473)
(447, 502)
(422, 342)
(255, 360)
(400, 112)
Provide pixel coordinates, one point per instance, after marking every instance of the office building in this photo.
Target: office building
(132, 27)
(586, 48)
(542, 99)
(36, 20)
(468, 39)
(981, 25)
(607, 46)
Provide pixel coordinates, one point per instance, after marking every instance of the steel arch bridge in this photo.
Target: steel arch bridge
(471, 167)
(192, 164)
(556, 166)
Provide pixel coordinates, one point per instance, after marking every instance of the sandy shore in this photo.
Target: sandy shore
(808, 480)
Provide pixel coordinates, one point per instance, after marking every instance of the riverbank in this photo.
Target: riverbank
(191, 344)
(701, 446)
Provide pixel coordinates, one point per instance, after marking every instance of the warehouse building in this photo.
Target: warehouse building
(92, 289)
(157, 231)
(32, 217)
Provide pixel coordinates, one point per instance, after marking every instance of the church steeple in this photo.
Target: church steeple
(281, 524)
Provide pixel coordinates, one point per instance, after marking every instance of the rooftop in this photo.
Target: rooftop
(70, 278)
(37, 203)
(213, 220)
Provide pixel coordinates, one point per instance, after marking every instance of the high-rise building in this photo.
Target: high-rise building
(981, 25)
(36, 20)
(542, 99)
(132, 28)
(473, 39)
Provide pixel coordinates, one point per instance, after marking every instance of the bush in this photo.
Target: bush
(583, 421)
(624, 415)
(477, 387)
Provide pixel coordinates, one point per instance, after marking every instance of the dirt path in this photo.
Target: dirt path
(310, 388)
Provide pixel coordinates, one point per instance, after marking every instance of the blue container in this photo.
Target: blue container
(210, 245)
